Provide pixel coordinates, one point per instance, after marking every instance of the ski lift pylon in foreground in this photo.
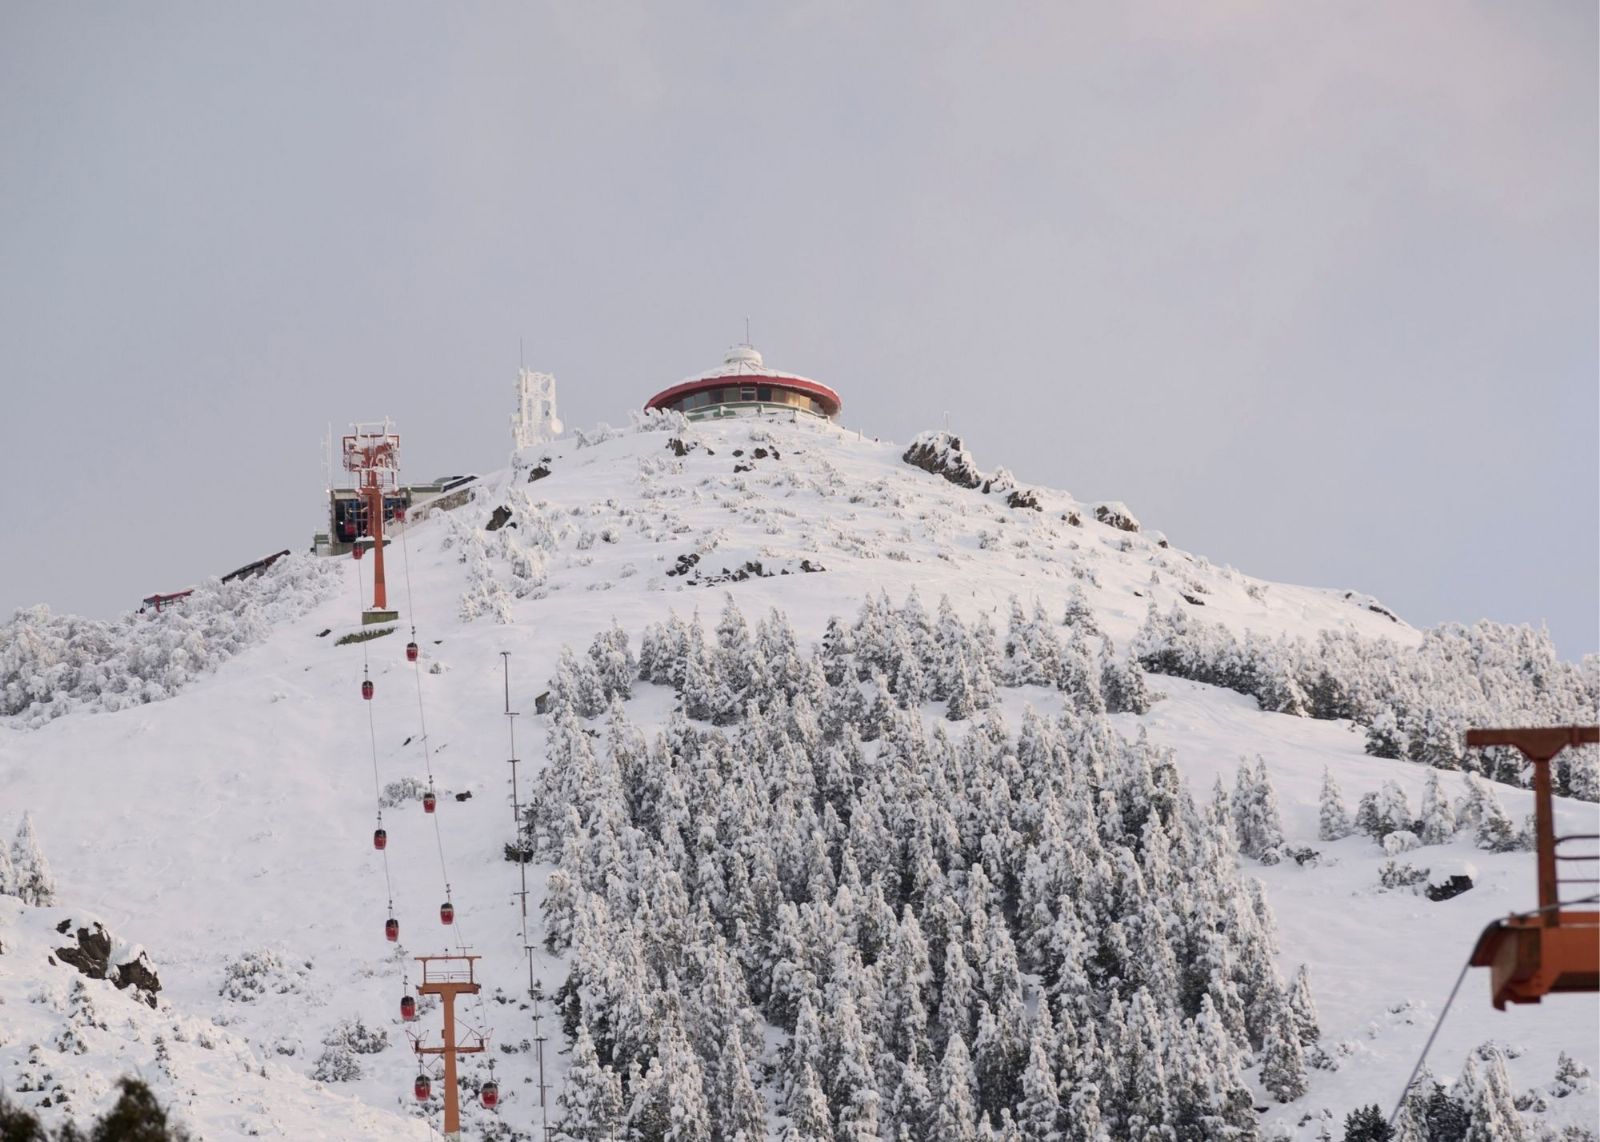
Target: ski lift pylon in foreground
(1555, 947)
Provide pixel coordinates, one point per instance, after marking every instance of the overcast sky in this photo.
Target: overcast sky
(1311, 286)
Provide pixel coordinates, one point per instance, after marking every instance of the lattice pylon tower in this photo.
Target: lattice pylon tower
(371, 451)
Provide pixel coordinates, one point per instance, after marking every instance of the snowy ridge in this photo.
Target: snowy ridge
(228, 829)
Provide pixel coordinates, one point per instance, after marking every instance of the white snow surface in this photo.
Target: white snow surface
(236, 817)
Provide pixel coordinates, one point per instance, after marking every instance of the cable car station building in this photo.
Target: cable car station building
(743, 386)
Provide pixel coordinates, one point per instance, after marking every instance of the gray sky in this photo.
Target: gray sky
(1311, 286)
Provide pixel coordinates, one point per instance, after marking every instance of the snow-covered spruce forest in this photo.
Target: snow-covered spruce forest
(892, 798)
(961, 930)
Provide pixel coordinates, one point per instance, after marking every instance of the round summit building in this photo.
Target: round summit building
(743, 386)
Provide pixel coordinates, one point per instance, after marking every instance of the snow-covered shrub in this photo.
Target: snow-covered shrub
(51, 664)
(249, 976)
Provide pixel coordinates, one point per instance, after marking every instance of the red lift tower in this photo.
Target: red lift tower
(447, 977)
(372, 452)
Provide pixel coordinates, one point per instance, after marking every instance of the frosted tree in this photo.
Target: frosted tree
(1283, 1065)
(1122, 685)
(810, 1120)
(614, 663)
(1040, 1108)
(1496, 833)
(8, 874)
(955, 1118)
(30, 872)
(1256, 821)
(1333, 821)
(1384, 812)
(1438, 819)
(740, 1113)
(591, 1097)
(1485, 1091)
(1303, 1008)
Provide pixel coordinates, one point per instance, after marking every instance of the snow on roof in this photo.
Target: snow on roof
(742, 361)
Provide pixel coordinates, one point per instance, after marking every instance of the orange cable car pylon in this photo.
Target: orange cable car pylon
(372, 452)
(1555, 948)
(445, 977)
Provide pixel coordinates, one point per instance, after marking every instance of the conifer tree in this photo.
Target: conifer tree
(955, 1118)
(1283, 1065)
(30, 873)
(1438, 819)
(1039, 1111)
(136, 1116)
(1333, 820)
(8, 874)
(1303, 1008)
(810, 1119)
(591, 1097)
(1367, 1125)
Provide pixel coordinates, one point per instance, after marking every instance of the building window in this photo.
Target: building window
(748, 392)
(764, 392)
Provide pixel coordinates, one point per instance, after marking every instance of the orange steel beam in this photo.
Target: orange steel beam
(1532, 955)
(380, 590)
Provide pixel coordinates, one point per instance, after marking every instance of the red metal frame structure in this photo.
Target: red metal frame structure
(1555, 948)
(445, 977)
(372, 451)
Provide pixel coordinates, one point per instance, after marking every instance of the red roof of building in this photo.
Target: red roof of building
(743, 366)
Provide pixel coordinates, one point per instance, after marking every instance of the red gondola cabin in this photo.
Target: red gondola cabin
(380, 839)
(447, 913)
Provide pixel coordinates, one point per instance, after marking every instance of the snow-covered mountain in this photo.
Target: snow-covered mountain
(204, 784)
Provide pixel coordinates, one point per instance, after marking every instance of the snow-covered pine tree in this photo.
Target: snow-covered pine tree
(1283, 1065)
(955, 1117)
(1333, 821)
(30, 872)
(1438, 819)
(1257, 824)
(8, 874)
(810, 1119)
(1304, 1008)
(1496, 833)
(590, 1098)
(1122, 685)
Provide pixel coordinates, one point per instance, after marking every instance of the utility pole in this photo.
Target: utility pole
(445, 977)
(525, 854)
